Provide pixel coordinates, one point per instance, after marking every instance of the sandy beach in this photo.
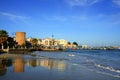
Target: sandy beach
(51, 66)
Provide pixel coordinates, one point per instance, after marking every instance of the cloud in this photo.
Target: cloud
(81, 2)
(56, 18)
(115, 19)
(14, 17)
(67, 18)
(108, 19)
(79, 18)
(117, 2)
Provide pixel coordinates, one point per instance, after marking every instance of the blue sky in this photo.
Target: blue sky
(91, 22)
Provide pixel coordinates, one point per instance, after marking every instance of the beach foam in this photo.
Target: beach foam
(107, 68)
(71, 55)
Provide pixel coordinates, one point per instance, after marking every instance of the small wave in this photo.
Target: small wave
(75, 64)
(71, 55)
(107, 68)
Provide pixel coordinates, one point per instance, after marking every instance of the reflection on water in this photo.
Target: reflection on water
(48, 63)
(4, 63)
(19, 64)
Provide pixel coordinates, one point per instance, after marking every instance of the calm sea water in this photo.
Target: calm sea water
(66, 65)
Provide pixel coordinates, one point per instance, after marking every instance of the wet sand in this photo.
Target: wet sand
(46, 69)
(6, 55)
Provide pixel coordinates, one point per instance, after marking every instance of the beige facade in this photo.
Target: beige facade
(39, 41)
(28, 39)
(63, 42)
(54, 42)
(20, 38)
(47, 42)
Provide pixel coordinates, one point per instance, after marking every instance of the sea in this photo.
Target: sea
(63, 65)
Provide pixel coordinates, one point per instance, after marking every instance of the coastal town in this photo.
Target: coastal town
(19, 41)
(59, 40)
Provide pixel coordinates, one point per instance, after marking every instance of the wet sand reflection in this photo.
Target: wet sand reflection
(18, 65)
(48, 63)
(4, 63)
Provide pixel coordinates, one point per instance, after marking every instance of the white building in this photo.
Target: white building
(47, 42)
(28, 39)
(84, 46)
(63, 42)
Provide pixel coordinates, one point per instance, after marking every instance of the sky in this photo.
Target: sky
(90, 22)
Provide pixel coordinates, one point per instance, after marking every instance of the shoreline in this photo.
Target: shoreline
(6, 55)
(17, 50)
(29, 50)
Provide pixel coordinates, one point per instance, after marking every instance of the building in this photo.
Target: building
(63, 43)
(39, 41)
(50, 42)
(20, 38)
(28, 39)
(84, 46)
(56, 42)
(47, 42)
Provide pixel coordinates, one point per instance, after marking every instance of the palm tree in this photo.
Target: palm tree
(3, 37)
(69, 43)
(75, 43)
(34, 42)
(3, 33)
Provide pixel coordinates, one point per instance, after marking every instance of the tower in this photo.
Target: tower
(20, 38)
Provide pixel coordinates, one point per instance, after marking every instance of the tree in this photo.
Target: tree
(69, 43)
(75, 43)
(28, 44)
(3, 38)
(3, 33)
(34, 42)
